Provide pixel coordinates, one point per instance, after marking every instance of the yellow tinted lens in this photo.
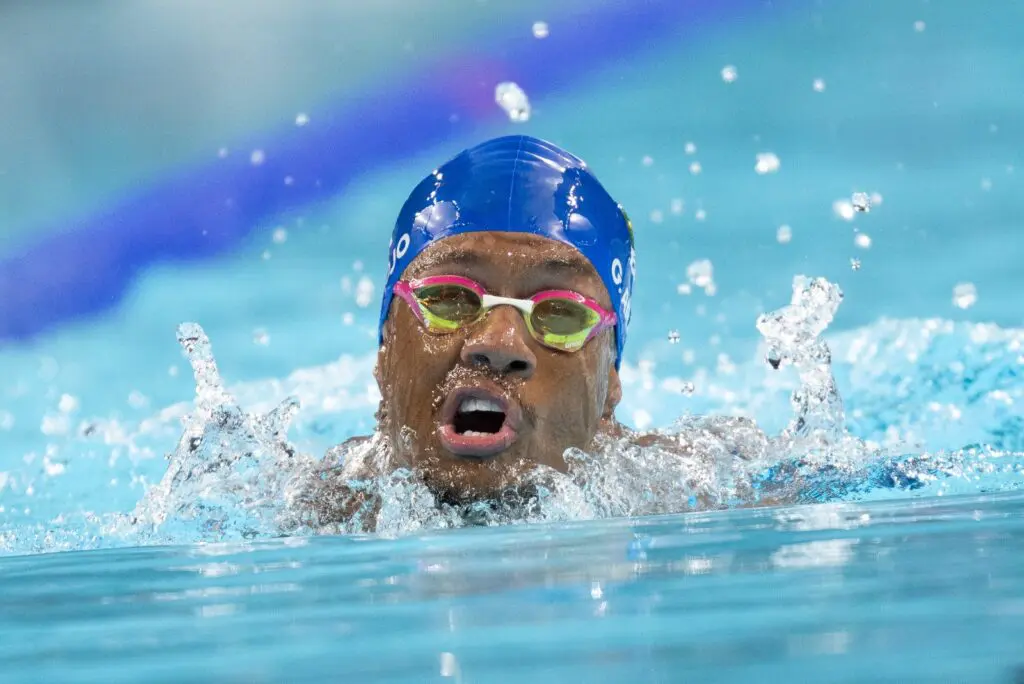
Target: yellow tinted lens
(563, 323)
(448, 307)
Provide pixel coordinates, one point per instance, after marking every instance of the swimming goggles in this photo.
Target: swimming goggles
(560, 319)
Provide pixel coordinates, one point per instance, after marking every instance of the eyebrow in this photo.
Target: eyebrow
(468, 258)
(461, 257)
(571, 264)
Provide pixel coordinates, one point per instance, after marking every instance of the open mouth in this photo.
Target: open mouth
(475, 417)
(478, 423)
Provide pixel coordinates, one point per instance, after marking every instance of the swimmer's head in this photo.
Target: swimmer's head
(504, 315)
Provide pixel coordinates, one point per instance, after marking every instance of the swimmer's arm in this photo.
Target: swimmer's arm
(330, 500)
(679, 446)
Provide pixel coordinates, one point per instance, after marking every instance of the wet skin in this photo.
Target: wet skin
(553, 399)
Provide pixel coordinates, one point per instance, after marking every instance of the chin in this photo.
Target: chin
(456, 479)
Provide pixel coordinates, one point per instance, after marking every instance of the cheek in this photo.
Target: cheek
(572, 399)
(416, 365)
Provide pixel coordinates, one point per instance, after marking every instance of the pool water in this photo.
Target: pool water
(903, 565)
(922, 591)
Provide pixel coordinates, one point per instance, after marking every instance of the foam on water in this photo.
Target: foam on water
(237, 474)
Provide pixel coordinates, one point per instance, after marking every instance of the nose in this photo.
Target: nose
(499, 343)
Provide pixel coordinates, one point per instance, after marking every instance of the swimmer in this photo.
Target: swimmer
(502, 326)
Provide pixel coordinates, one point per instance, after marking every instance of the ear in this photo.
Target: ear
(377, 367)
(383, 358)
(614, 395)
(382, 351)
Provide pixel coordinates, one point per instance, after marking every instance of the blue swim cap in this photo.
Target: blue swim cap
(519, 184)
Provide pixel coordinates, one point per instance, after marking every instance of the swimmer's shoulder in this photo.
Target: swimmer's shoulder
(332, 499)
(685, 440)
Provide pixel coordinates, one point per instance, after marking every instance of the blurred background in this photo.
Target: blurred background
(240, 165)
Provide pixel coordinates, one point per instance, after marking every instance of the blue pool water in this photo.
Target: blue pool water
(904, 566)
(923, 591)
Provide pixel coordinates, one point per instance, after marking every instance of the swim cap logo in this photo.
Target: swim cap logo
(398, 252)
(617, 271)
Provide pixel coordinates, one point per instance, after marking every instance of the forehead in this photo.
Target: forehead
(504, 257)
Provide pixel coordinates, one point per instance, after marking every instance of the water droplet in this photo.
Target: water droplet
(172, 371)
(657, 216)
(67, 403)
(729, 73)
(648, 160)
(52, 468)
(767, 162)
(266, 255)
(861, 202)
(677, 206)
(986, 184)
(784, 234)
(301, 119)
(690, 148)
(540, 30)
(695, 168)
(673, 336)
(257, 157)
(512, 99)
(280, 235)
(843, 209)
(449, 665)
(641, 419)
(863, 240)
(701, 274)
(855, 264)
(965, 295)
(919, 26)
(347, 318)
(260, 337)
(222, 152)
(364, 292)
(700, 215)
(687, 388)
(288, 180)
(684, 288)
(818, 85)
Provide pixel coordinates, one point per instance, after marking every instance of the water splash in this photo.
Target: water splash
(210, 392)
(793, 334)
(236, 474)
(513, 100)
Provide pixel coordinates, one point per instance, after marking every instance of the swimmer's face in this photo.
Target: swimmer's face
(549, 400)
